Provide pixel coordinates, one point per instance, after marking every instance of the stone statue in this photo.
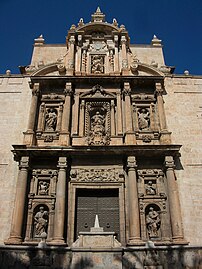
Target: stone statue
(43, 187)
(98, 122)
(153, 222)
(150, 190)
(97, 64)
(50, 120)
(40, 222)
(143, 119)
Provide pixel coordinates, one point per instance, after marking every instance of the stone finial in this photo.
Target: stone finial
(8, 72)
(98, 16)
(81, 23)
(39, 41)
(186, 72)
(115, 23)
(156, 42)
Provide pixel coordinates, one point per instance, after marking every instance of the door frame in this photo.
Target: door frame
(72, 206)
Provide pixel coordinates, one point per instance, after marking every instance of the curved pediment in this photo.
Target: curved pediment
(52, 69)
(97, 92)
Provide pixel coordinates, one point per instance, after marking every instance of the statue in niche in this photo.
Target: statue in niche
(143, 119)
(97, 66)
(98, 124)
(150, 189)
(40, 222)
(153, 222)
(50, 120)
(43, 187)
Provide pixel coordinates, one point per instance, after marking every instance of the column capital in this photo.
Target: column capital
(68, 89)
(159, 88)
(62, 163)
(35, 88)
(169, 162)
(82, 105)
(127, 88)
(24, 162)
(131, 162)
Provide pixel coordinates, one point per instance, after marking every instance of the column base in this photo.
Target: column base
(64, 139)
(135, 242)
(179, 241)
(57, 242)
(130, 139)
(13, 240)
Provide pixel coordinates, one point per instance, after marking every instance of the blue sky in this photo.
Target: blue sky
(178, 23)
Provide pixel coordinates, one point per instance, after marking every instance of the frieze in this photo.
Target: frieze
(150, 172)
(97, 175)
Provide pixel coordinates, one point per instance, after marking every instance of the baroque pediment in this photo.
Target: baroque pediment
(97, 92)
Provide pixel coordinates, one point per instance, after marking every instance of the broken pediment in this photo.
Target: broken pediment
(97, 92)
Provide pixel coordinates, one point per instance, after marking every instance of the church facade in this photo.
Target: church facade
(105, 160)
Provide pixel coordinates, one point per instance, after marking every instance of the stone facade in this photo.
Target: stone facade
(99, 126)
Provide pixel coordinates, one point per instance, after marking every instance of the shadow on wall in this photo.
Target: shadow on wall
(63, 258)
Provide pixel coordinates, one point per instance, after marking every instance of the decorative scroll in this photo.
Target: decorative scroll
(97, 175)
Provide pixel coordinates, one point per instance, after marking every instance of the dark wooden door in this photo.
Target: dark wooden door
(104, 203)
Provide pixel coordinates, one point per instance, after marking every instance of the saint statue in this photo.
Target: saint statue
(43, 187)
(143, 119)
(153, 222)
(50, 120)
(40, 222)
(150, 190)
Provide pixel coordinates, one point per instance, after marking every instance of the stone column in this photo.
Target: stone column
(161, 111)
(130, 135)
(113, 126)
(84, 61)
(41, 118)
(81, 118)
(29, 134)
(70, 69)
(65, 126)
(19, 206)
(174, 203)
(134, 216)
(59, 120)
(75, 117)
(119, 114)
(124, 56)
(61, 190)
(116, 55)
(78, 56)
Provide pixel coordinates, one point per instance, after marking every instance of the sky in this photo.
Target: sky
(178, 23)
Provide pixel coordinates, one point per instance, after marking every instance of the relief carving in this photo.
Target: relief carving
(150, 188)
(97, 124)
(40, 222)
(43, 187)
(97, 64)
(95, 175)
(51, 119)
(143, 119)
(153, 222)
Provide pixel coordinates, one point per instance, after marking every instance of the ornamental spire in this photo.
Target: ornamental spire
(98, 16)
